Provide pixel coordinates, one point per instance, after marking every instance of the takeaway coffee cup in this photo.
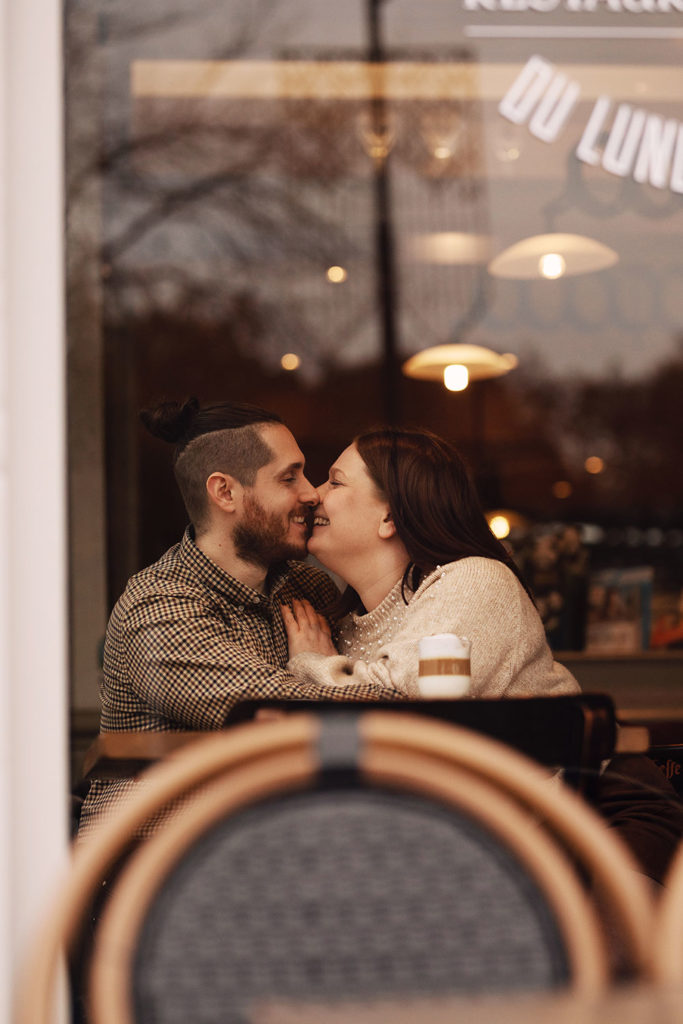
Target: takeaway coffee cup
(444, 666)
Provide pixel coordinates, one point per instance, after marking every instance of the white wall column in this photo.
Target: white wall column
(33, 615)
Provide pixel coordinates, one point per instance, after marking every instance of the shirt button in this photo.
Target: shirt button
(240, 607)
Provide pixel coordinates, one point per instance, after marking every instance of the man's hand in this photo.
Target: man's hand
(306, 629)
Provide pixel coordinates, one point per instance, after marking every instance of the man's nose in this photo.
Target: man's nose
(308, 495)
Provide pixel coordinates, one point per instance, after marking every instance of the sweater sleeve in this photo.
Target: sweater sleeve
(393, 674)
(478, 598)
(510, 653)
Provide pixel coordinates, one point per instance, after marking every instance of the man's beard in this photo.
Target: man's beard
(261, 538)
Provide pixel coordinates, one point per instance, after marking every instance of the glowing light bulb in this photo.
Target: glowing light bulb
(500, 526)
(594, 464)
(336, 275)
(290, 361)
(552, 265)
(562, 489)
(456, 377)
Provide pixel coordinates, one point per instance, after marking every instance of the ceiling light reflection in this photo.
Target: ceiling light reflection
(456, 377)
(562, 489)
(450, 247)
(336, 274)
(430, 363)
(581, 255)
(552, 265)
(500, 526)
(290, 361)
(594, 464)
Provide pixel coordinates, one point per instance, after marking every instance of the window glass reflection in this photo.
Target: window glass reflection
(282, 202)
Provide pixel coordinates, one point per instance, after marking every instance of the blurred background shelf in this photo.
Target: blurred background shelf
(652, 678)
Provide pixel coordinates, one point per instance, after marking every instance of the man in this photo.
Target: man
(201, 629)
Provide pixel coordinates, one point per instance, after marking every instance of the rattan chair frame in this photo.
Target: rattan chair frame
(614, 874)
(112, 996)
(387, 738)
(667, 950)
(93, 858)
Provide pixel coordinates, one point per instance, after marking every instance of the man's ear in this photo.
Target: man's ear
(387, 527)
(223, 491)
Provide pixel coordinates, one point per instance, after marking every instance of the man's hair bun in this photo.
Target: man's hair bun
(172, 421)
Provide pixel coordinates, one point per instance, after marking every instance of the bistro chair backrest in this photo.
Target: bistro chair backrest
(667, 946)
(371, 853)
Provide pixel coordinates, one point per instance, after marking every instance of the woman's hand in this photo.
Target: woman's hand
(306, 629)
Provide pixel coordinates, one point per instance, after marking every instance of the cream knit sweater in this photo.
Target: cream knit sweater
(479, 598)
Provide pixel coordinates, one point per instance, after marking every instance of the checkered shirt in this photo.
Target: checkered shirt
(187, 641)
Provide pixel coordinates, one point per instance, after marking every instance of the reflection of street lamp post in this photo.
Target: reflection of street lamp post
(384, 242)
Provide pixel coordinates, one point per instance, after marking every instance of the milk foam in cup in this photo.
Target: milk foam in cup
(444, 666)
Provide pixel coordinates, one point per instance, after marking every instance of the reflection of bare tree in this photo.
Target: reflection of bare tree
(641, 424)
(635, 426)
(201, 199)
(206, 196)
(256, 194)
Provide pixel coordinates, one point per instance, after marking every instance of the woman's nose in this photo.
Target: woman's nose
(322, 491)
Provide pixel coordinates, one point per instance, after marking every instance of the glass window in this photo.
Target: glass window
(283, 202)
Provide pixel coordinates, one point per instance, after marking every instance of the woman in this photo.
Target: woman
(399, 521)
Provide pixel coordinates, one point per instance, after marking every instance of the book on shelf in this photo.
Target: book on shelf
(619, 610)
(667, 619)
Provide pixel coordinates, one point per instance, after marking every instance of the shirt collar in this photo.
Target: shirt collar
(218, 579)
